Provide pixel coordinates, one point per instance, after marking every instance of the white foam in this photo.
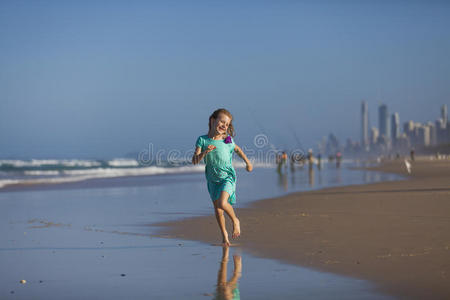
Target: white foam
(42, 173)
(80, 163)
(6, 182)
(46, 162)
(122, 162)
(117, 172)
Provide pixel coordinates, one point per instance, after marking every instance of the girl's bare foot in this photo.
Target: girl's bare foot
(236, 229)
(226, 243)
(225, 240)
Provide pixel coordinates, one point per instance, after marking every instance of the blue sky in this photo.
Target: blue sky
(105, 78)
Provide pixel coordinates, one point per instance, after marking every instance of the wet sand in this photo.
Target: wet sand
(395, 234)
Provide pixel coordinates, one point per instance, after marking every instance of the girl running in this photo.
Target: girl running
(217, 148)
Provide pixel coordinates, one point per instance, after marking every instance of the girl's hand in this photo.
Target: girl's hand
(209, 149)
(249, 167)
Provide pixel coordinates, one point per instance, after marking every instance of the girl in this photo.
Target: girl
(217, 149)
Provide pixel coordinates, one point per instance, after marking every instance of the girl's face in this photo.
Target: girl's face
(221, 123)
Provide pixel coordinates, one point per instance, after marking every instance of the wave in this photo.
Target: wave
(35, 163)
(122, 162)
(48, 171)
(42, 173)
(86, 174)
(5, 182)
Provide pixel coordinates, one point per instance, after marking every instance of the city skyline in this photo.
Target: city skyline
(387, 137)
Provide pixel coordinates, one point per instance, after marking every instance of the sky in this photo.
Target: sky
(103, 79)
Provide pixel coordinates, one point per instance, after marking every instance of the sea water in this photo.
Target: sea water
(90, 239)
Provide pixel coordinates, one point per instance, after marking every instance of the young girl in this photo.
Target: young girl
(217, 149)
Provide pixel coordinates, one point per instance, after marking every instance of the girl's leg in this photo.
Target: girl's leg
(221, 221)
(222, 203)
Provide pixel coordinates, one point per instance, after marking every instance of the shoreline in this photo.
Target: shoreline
(395, 234)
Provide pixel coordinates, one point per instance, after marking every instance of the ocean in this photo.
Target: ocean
(83, 229)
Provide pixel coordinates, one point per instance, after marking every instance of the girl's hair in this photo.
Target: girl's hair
(216, 113)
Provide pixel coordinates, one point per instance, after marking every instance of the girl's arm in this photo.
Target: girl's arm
(199, 155)
(242, 155)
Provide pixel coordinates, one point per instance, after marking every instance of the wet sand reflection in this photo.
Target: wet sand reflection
(228, 289)
(311, 176)
(283, 180)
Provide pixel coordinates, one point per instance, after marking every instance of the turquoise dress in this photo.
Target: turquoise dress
(219, 171)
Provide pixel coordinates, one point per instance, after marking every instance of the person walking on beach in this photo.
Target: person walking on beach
(216, 148)
(310, 158)
(338, 159)
(281, 161)
(284, 158)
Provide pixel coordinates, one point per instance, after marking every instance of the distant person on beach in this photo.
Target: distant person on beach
(338, 159)
(281, 161)
(284, 158)
(217, 148)
(278, 162)
(310, 158)
(412, 154)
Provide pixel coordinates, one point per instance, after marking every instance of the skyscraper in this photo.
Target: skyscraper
(423, 135)
(395, 127)
(409, 130)
(433, 133)
(383, 121)
(374, 135)
(444, 115)
(364, 125)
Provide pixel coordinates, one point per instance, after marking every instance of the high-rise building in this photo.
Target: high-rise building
(442, 132)
(409, 130)
(444, 115)
(423, 135)
(433, 133)
(374, 135)
(383, 121)
(408, 127)
(364, 126)
(395, 127)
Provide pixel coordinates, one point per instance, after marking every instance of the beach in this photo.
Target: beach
(395, 234)
(98, 238)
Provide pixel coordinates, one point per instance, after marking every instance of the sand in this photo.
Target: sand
(395, 234)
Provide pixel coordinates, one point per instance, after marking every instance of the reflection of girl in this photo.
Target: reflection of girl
(228, 290)
(217, 148)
